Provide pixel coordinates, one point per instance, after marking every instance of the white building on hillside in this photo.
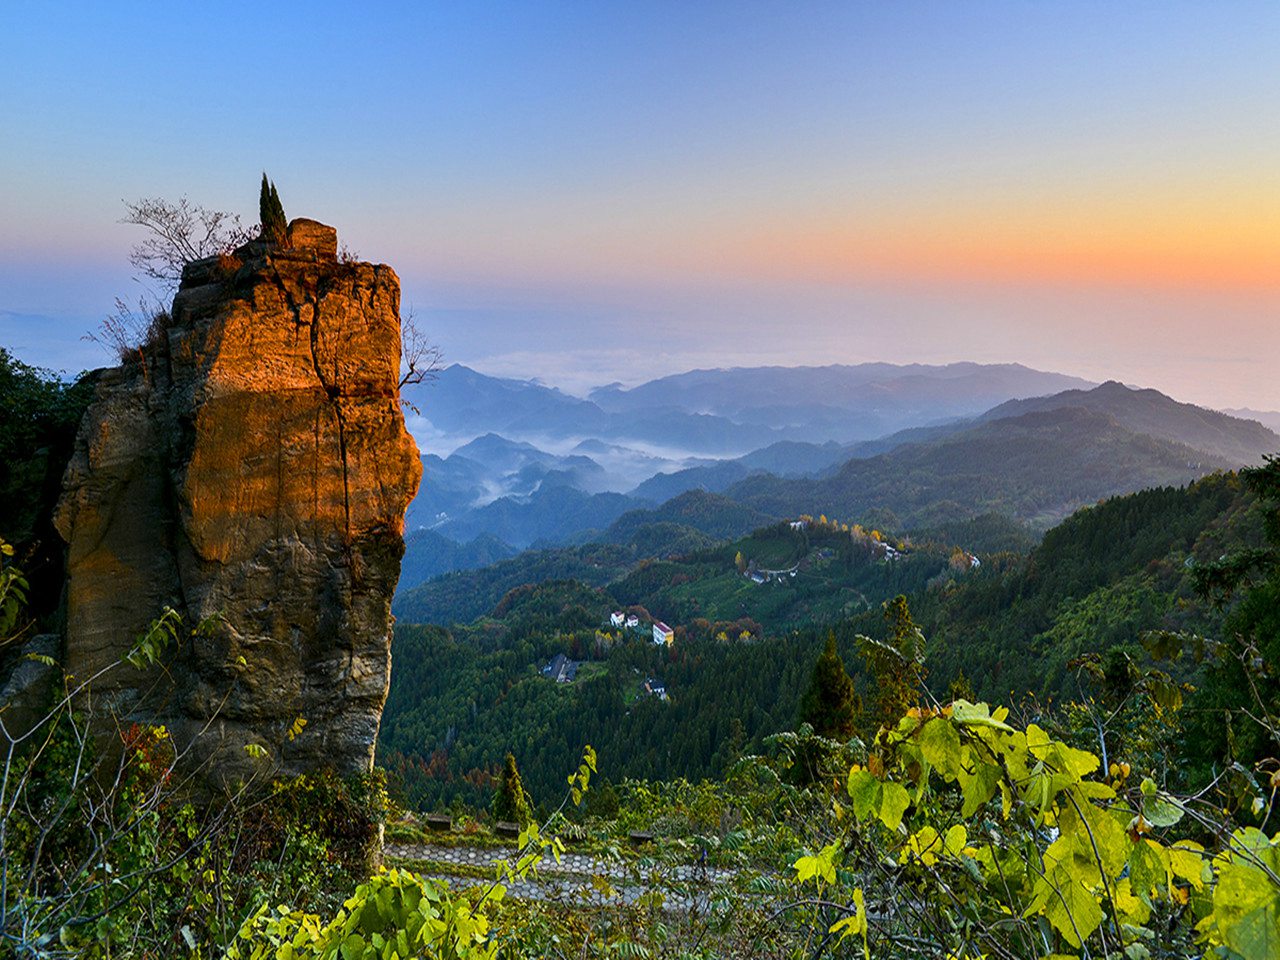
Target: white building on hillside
(662, 633)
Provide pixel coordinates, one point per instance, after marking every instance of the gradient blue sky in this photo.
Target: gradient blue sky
(590, 191)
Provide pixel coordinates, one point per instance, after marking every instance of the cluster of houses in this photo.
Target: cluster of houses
(662, 634)
(560, 669)
(764, 576)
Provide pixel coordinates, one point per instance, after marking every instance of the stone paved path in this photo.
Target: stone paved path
(571, 877)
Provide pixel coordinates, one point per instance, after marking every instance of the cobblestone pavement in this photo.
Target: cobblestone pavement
(571, 878)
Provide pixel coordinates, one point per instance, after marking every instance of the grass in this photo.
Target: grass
(772, 552)
(592, 670)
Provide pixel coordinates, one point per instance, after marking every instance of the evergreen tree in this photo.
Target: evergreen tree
(831, 704)
(602, 801)
(271, 213)
(897, 664)
(960, 688)
(510, 801)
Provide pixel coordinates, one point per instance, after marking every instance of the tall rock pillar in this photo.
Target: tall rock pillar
(251, 469)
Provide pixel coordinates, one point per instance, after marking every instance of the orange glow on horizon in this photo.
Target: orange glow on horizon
(1130, 244)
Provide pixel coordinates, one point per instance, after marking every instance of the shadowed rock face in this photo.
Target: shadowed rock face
(251, 470)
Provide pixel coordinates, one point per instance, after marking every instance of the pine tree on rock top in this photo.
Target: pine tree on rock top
(271, 213)
(831, 703)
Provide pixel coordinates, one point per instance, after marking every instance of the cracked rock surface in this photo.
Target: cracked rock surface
(251, 469)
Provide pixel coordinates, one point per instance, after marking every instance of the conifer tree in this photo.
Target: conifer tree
(271, 213)
(831, 704)
(897, 664)
(510, 801)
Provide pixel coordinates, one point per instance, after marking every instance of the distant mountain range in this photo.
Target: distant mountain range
(510, 438)
(729, 412)
(1268, 418)
(839, 402)
(1034, 459)
(1038, 467)
(1152, 413)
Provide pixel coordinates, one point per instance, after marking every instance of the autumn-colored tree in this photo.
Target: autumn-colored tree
(740, 562)
(831, 704)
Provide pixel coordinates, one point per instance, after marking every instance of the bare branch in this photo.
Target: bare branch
(177, 234)
(420, 359)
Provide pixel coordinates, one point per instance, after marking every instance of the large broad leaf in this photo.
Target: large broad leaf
(1149, 867)
(940, 744)
(979, 781)
(1246, 911)
(1068, 905)
(820, 867)
(864, 791)
(1246, 899)
(894, 801)
(978, 715)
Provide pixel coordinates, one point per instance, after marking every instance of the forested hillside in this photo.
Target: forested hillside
(1010, 625)
(429, 554)
(1038, 467)
(462, 596)
(1095, 582)
(1238, 440)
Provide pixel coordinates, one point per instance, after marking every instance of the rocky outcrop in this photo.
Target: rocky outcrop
(251, 470)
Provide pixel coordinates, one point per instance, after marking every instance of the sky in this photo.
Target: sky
(591, 192)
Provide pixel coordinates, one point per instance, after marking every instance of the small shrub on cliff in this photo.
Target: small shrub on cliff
(176, 234)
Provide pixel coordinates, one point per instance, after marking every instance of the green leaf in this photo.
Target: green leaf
(1246, 911)
(894, 801)
(1068, 905)
(1148, 867)
(955, 840)
(940, 744)
(864, 791)
(821, 867)
(978, 783)
(976, 715)
(1161, 810)
(353, 947)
